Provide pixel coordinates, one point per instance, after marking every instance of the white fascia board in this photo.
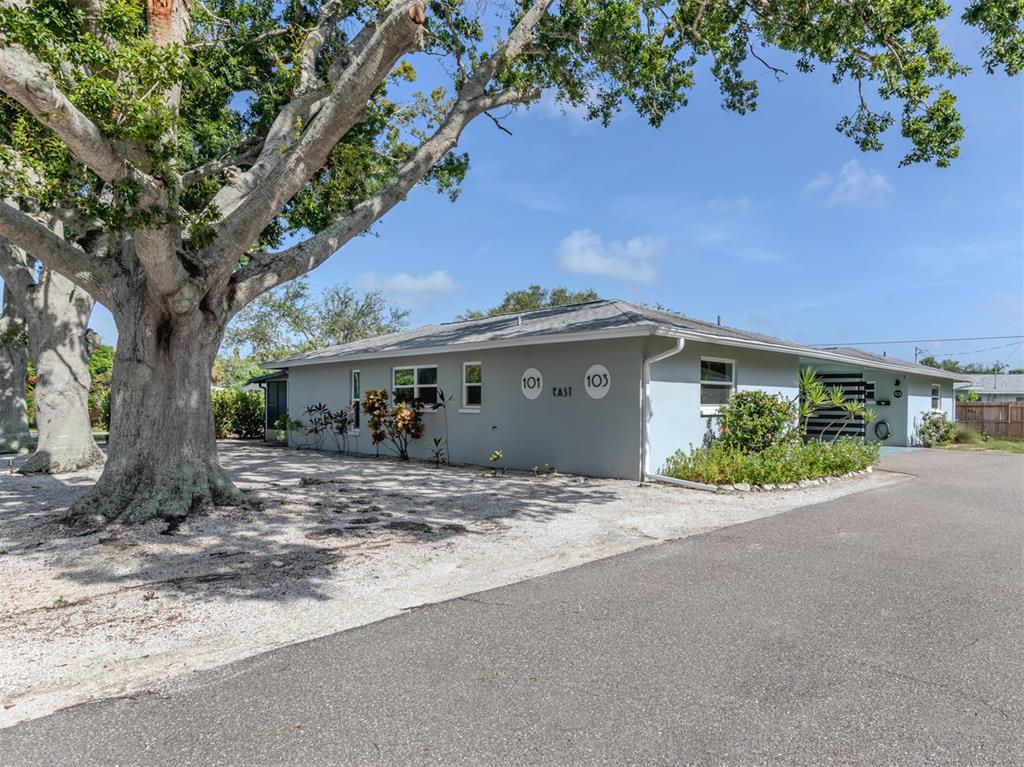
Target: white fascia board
(804, 351)
(539, 340)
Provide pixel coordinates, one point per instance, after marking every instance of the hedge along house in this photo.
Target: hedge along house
(606, 388)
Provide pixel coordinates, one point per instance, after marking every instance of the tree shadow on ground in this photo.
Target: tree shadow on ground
(311, 516)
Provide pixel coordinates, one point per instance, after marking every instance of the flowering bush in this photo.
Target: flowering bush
(753, 420)
(936, 429)
(397, 424)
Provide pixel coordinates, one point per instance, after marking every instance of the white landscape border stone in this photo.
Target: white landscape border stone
(118, 612)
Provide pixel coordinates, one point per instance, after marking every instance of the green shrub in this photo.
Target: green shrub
(783, 462)
(753, 420)
(237, 414)
(223, 412)
(249, 415)
(104, 421)
(936, 429)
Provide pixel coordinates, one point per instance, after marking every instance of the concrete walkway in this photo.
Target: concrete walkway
(880, 628)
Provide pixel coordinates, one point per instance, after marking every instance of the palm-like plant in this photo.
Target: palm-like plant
(814, 395)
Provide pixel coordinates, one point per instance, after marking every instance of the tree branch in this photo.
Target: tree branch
(266, 271)
(214, 167)
(27, 80)
(93, 274)
(16, 270)
(250, 202)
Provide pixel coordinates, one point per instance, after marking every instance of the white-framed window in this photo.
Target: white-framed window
(936, 397)
(356, 400)
(717, 383)
(869, 391)
(415, 383)
(472, 386)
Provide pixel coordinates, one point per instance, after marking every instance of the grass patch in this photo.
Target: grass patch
(1003, 444)
(781, 463)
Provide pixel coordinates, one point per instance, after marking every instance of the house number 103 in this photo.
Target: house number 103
(597, 381)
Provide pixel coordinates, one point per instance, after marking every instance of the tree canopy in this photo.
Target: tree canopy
(970, 368)
(530, 298)
(295, 318)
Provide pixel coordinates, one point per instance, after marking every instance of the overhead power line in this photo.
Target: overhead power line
(919, 341)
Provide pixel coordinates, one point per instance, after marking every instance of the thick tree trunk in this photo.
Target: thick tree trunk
(58, 344)
(162, 455)
(14, 434)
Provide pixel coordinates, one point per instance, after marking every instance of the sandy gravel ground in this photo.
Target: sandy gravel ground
(330, 543)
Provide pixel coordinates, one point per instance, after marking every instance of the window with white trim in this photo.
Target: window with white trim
(717, 383)
(869, 391)
(412, 384)
(356, 400)
(472, 385)
(936, 397)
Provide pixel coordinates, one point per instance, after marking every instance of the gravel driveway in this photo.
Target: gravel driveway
(329, 543)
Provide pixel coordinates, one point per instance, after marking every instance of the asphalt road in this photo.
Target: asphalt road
(882, 628)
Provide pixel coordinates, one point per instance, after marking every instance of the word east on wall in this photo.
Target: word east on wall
(597, 383)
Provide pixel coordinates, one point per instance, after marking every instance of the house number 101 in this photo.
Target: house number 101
(532, 383)
(597, 382)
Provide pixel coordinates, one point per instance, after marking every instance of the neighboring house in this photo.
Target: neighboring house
(606, 388)
(993, 387)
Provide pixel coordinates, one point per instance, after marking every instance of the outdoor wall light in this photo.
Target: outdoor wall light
(897, 382)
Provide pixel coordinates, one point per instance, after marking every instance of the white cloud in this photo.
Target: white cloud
(407, 289)
(635, 260)
(854, 185)
(735, 205)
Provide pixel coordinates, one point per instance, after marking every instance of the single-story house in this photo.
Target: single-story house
(606, 388)
(993, 387)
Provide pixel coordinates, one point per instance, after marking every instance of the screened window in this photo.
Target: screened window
(415, 383)
(357, 398)
(277, 401)
(936, 397)
(472, 385)
(717, 384)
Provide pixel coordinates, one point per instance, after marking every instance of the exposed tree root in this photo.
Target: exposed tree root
(142, 494)
(45, 461)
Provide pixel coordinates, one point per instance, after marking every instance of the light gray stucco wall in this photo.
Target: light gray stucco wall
(575, 433)
(919, 401)
(675, 422)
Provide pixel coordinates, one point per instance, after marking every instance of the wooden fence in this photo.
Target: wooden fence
(997, 419)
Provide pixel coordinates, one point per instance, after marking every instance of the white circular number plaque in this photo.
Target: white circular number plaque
(597, 382)
(532, 383)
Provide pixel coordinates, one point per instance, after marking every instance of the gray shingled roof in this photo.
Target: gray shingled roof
(609, 317)
(993, 383)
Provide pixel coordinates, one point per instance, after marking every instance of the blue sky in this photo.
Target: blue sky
(772, 220)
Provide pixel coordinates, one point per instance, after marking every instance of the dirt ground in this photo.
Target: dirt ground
(329, 543)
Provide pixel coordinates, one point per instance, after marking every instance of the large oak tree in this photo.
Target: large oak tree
(199, 135)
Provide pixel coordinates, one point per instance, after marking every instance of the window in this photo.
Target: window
(869, 391)
(472, 385)
(277, 401)
(357, 399)
(415, 383)
(717, 383)
(936, 397)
